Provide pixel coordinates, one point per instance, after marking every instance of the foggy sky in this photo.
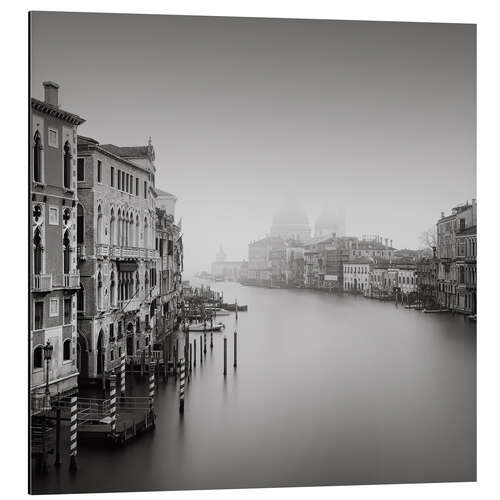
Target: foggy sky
(377, 118)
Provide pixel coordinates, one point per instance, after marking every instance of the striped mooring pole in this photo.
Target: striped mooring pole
(73, 445)
(112, 401)
(122, 376)
(151, 389)
(181, 387)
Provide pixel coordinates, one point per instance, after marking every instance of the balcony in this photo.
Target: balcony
(81, 252)
(72, 280)
(102, 250)
(129, 305)
(42, 283)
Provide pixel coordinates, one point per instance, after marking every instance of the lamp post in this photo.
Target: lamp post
(47, 355)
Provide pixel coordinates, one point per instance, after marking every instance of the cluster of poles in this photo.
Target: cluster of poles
(189, 360)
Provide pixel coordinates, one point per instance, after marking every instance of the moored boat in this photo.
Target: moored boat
(232, 307)
(205, 327)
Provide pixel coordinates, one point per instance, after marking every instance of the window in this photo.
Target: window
(80, 299)
(111, 332)
(37, 252)
(38, 315)
(126, 182)
(53, 307)
(80, 169)
(67, 350)
(111, 355)
(37, 157)
(67, 165)
(80, 224)
(66, 252)
(123, 181)
(53, 216)
(99, 171)
(119, 176)
(145, 189)
(67, 311)
(53, 139)
(137, 186)
(38, 357)
(112, 176)
(462, 224)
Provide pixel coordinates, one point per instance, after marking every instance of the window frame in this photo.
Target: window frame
(78, 160)
(66, 359)
(53, 144)
(53, 300)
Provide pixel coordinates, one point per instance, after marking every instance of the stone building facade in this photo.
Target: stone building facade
(118, 260)
(53, 260)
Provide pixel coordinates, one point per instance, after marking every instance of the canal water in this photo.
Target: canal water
(329, 390)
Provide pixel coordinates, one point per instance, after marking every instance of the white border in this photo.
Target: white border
(14, 290)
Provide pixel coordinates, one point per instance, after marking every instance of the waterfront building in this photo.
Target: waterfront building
(315, 259)
(407, 278)
(427, 272)
(259, 263)
(170, 268)
(53, 266)
(357, 275)
(118, 261)
(456, 263)
(290, 222)
(287, 264)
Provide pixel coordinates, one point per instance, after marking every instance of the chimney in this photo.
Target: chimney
(442, 215)
(391, 243)
(433, 252)
(51, 93)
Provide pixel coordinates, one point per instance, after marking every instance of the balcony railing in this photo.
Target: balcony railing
(72, 280)
(102, 250)
(129, 305)
(81, 252)
(122, 252)
(42, 282)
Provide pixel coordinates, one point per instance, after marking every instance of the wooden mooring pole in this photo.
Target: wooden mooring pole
(225, 356)
(57, 461)
(194, 349)
(235, 349)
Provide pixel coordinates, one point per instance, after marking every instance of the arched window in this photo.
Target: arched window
(118, 228)
(67, 350)
(80, 224)
(99, 224)
(99, 291)
(146, 283)
(38, 357)
(67, 165)
(112, 228)
(137, 283)
(37, 252)
(112, 293)
(137, 231)
(80, 299)
(131, 234)
(37, 157)
(66, 252)
(146, 233)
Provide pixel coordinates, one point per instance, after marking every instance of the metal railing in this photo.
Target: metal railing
(102, 250)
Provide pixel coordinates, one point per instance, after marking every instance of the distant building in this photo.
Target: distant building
(357, 275)
(222, 268)
(330, 221)
(290, 222)
(259, 261)
(287, 264)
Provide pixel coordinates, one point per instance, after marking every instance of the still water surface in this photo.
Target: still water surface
(329, 390)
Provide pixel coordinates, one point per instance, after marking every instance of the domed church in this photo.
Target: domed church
(290, 222)
(330, 221)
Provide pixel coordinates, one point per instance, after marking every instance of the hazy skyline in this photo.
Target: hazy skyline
(375, 118)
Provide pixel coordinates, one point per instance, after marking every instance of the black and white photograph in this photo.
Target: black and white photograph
(253, 252)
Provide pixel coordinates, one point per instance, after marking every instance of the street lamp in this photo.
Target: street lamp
(47, 355)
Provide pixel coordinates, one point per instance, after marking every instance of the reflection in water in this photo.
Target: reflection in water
(328, 390)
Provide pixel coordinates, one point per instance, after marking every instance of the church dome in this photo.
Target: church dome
(290, 222)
